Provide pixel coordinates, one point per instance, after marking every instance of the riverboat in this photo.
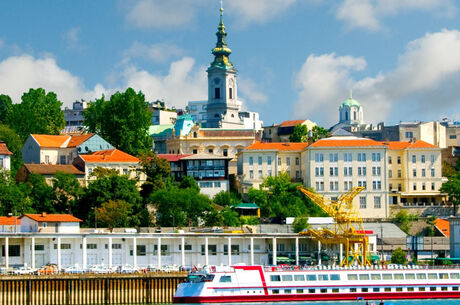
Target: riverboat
(320, 283)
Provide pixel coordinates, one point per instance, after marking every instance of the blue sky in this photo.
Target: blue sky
(296, 58)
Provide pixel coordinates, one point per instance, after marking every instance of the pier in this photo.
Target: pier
(89, 289)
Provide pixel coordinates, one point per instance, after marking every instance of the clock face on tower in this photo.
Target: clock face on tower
(216, 80)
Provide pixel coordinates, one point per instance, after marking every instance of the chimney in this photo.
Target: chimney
(43, 214)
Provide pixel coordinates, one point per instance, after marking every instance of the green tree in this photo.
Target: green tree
(398, 257)
(452, 188)
(157, 171)
(123, 121)
(41, 195)
(112, 187)
(13, 196)
(114, 214)
(67, 190)
(189, 182)
(300, 224)
(319, 133)
(404, 220)
(448, 170)
(14, 144)
(226, 198)
(39, 112)
(300, 134)
(6, 107)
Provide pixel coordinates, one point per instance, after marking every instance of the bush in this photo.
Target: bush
(249, 220)
(398, 257)
(300, 224)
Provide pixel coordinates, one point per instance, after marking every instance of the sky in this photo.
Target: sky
(296, 59)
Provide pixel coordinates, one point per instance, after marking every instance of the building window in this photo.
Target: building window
(414, 158)
(399, 173)
(415, 186)
(362, 202)
(13, 250)
(195, 151)
(333, 157)
(409, 134)
(432, 186)
(269, 172)
(399, 160)
(62, 160)
(279, 161)
(423, 158)
(432, 172)
(212, 250)
(297, 174)
(432, 158)
(423, 187)
(251, 174)
(260, 174)
(377, 202)
(217, 93)
(259, 160)
(399, 187)
(390, 174)
(269, 160)
(423, 172)
(390, 161)
(361, 157)
(414, 172)
(347, 157)
(1, 162)
(230, 93)
(376, 157)
(225, 152)
(251, 160)
(390, 187)
(47, 159)
(210, 150)
(319, 157)
(297, 161)
(91, 246)
(186, 247)
(141, 250)
(39, 247)
(288, 161)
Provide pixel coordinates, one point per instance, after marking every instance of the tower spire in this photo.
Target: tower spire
(221, 52)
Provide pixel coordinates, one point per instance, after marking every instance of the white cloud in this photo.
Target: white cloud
(248, 89)
(160, 52)
(161, 14)
(368, 13)
(20, 73)
(258, 10)
(424, 83)
(184, 82)
(72, 39)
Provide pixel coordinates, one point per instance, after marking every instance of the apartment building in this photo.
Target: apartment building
(414, 174)
(335, 165)
(261, 160)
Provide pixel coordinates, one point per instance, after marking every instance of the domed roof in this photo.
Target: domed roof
(351, 102)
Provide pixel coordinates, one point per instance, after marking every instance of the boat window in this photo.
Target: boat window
(286, 278)
(311, 277)
(376, 289)
(209, 277)
(225, 279)
(335, 290)
(364, 277)
(275, 278)
(195, 279)
(387, 289)
(443, 276)
(433, 276)
(410, 288)
(444, 288)
(455, 276)
(275, 291)
(410, 276)
(352, 277)
(323, 290)
(299, 291)
(311, 291)
(364, 289)
(387, 276)
(399, 289)
(399, 276)
(299, 277)
(335, 277)
(455, 288)
(353, 289)
(432, 288)
(323, 277)
(376, 276)
(287, 291)
(421, 288)
(421, 276)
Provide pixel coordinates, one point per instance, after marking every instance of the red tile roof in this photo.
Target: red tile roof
(277, 146)
(291, 123)
(354, 142)
(9, 220)
(422, 144)
(4, 150)
(397, 145)
(443, 226)
(227, 133)
(45, 140)
(172, 157)
(51, 169)
(109, 156)
(79, 139)
(52, 217)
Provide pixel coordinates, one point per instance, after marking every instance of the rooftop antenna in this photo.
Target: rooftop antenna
(221, 7)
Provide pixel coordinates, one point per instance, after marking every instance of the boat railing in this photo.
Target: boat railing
(374, 267)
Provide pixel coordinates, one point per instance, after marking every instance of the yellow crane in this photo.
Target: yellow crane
(348, 228)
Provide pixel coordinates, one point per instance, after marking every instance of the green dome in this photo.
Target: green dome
(351, 102)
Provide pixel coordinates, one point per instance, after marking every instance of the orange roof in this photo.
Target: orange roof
(77, 140)
(4, 149)
(9, 220)
(277, 146)
(52, 217)
(422, 144)
(291, 123)
(45, 140)
(396, 145)
(443, 226)
(108, 156)
(354, 142)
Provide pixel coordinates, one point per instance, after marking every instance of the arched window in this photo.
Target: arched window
(346, 115)
(354, 115)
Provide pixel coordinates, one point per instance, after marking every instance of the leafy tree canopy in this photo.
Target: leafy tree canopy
(67, 190)
(14, 144)
(302, 134)
(6, 108)
(226, 198)
(157, 171)
(300, 224)
(452, 187)
(123, 121)
(398, 257)
(114, 214)
(13, 197)
(39, 112)
(41, 195)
